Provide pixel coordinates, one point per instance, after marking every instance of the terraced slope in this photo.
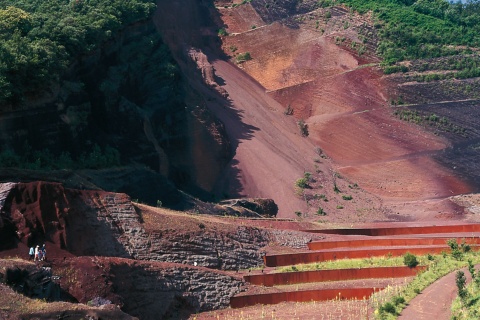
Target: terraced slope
(320, 63)
(271, 287)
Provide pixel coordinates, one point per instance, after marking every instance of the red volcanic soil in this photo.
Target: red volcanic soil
(345, 100)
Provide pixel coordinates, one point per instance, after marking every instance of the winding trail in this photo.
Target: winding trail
(435, 301)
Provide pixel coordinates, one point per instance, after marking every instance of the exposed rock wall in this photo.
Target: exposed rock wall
(168, 292)
(107, 224)
(148, 290)
(218, 250)
(82, 222)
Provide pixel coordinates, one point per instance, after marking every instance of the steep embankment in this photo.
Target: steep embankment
(120, 103)
(321, 63)
(270, 153)
(150, 261)
(83, 222)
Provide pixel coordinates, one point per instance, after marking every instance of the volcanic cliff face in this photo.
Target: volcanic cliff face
(149, 261)
(127, 96)
(96, 223)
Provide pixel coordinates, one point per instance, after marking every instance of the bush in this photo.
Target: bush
(302, 183)
(389, 308)
(243, 57)
(457, 253)
(410, 260)
(460, 281)
(347, 197)
(222, 32)
(398, 300)
(303, 128)
(321, 212)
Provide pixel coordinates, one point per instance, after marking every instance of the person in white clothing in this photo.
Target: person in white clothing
(37, 254)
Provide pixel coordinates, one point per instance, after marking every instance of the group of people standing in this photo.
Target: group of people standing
(38, 253)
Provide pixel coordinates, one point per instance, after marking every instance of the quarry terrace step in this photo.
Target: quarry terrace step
(399, 230)
(302, 296)
(287, 278)
(358, 243)
(347, 253)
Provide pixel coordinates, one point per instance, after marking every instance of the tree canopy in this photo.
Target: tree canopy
(39, 39)
(410, 29)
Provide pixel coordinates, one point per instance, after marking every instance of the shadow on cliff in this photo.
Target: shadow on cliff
(76, 221)
(189, 28)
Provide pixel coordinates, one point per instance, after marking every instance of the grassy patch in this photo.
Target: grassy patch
(350, 263)
(439, 267)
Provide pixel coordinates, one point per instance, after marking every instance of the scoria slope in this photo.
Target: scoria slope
(320, 65)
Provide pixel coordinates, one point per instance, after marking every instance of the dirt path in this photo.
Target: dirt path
(435, 301)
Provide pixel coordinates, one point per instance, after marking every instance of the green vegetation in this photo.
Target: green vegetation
(410, 260)
(437, 268)
(424, 28)
(40, 39)
(243, 57)
(467, 304)
(301, 183)
(97, 158)
(461, 281)
(458, 250)
(432, 120)
(222, 32)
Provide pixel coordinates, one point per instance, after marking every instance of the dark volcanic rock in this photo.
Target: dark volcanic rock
(89, 222)
(263, 207)
(149, 290)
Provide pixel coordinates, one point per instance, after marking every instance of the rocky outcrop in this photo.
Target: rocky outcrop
(211, 249)
(33, 281)
(262, 207)
(149, 290)
(81, 222)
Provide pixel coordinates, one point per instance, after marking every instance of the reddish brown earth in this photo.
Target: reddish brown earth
(354, 143)
(435, 301)
(344, 99)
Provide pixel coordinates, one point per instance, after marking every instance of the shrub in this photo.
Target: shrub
(307, 175)
(321, 212)
(243, 57)
(457, 254)
(460, 281)
(347, 197)
(471, 269)
(410, 260)
(389, 308)
(303, 128)
(222, 32)
(398, 300)
(302, 183)
(289, 111)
